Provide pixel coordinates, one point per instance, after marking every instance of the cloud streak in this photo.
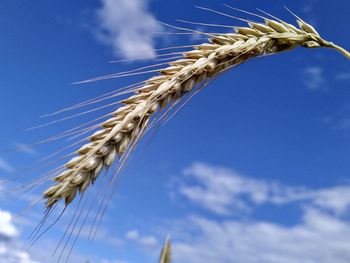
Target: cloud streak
(343, 76)
(24, 148)
(5, 166)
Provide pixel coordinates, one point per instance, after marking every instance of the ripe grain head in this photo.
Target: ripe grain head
(127, 124)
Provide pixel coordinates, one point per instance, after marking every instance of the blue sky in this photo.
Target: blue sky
(254, 169)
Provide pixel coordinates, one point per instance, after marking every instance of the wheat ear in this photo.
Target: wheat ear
(128, 123)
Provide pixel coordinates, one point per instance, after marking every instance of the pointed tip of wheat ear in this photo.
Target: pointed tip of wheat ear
(126, 125)
(165, 256)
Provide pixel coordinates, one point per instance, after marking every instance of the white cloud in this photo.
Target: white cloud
(11, 254)
(146, 241)
(313, 78)
(319, 237)
(7, 229)
(218, 189)
(224, 192)
(336, 199)
(5, 166)
(132, 234)
(127, 25)
(10, 250)
(321, 234)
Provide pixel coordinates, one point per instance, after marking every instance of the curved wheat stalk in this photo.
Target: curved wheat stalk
(127, 124)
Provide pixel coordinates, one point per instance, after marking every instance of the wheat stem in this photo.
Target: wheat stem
(340, 49)
(165, 256)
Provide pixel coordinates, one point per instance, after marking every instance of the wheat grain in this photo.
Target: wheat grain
(128, 123)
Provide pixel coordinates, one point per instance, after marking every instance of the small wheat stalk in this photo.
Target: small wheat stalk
(165, 255)
(128, 123)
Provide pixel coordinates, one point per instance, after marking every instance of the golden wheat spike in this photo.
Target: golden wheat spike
(118, 135)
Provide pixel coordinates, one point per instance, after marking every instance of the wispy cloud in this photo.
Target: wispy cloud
(340, 119)
(127, 25)
(343, 124)
(321, 234)
(146, 241)
(24, 148)
(308, 9)
(308, 6)
(219, 190)
(342, 76)
(319, 237)
(5, 166)
(224, 192)
(313, 78)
